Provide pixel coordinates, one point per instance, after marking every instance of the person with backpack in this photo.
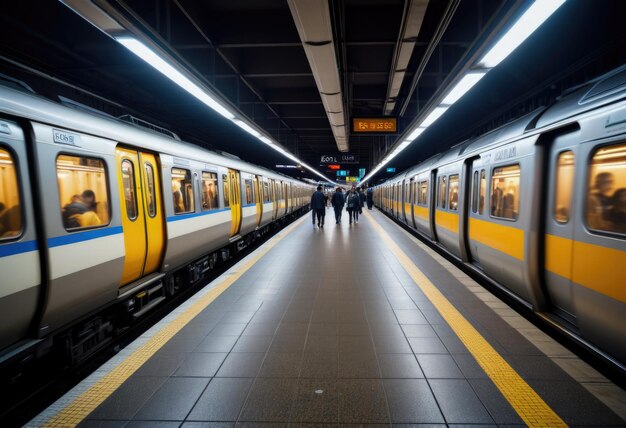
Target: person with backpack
(352, 205)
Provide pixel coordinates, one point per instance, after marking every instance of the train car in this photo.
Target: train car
(538, 207)
(100, 221)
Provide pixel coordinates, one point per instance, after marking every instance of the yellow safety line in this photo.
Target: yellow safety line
(89, 400)
(526, 402)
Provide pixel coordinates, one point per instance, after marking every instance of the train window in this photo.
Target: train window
(10, 211)
(249, 192)
(606, 203)
(563, 186)
(505, 192)
(83, 192)
(483, 191)
(209, 191)
(413, 192)
(475, 192)
(151, 190)
(423, 193)
(130, 190)
(441, 198)
(182, 191)
(266, 192)
(226, 190)
(453, 196)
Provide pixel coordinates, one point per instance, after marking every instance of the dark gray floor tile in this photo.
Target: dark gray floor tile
(323, 329)
(222, 400)
(253, 343)
(427, 345)
(574, 404)
(354, 329)
(418, 330)
(498, 407)
(316, 401)
(128, 398)
(217, 343)
(260, 329)
(459, 402)
(91, 423)
(362, 401)
(229, 329)
(385, 329)
(182, 344)
(151, 424)
(352, 317)
(288, 344)
(320, 365)
(411, 401)
(295, 329)
(261, 425)
(161, 364)
(468, 365)
(208, 425)
(237, 317)
(537, 367)
(433, 317)
(241, 364)
(399, 366)
(355, 344)
(269, 400)
(419, 425)
(439, 366)
(280, 364)
(454, 345)
(173, 400)
(201, 364)
(319, 344)
(391, 345)
(410, 316)
(361, 365)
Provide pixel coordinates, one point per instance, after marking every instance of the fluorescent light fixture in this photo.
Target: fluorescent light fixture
(464, 85)
(250, 130)
(266, 140)
(149, 56)
(433, 116)
(416, 133)
(536, 14)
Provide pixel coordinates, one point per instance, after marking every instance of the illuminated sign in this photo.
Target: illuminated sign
(342, 173)
(391, 170)
(361, 172)
(351, 179)
(334, 167)
(340, 158)
(286, 166)
(385, 125)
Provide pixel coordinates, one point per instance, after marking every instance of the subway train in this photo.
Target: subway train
(102, 220)
(538, 207)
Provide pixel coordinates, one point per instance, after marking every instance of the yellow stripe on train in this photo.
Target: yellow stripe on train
(447, 220)
(509, 240)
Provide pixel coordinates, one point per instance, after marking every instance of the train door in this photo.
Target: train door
(143, 221)
(476, 214)
(258, 190)
(560, 225)
(274, 199)
(234, 190)
(412, 193)
(433, 204)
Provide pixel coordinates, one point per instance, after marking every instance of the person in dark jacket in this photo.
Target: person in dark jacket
(362, 199)
(318, 206)
(352, 205)
(370, 198)
(338, 201)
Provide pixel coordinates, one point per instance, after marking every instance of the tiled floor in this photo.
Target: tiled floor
(328, 328)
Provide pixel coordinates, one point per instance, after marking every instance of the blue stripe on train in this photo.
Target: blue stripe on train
(17, 248)
(83, 236)
(192, 215)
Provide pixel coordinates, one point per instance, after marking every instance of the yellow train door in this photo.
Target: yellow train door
(234, 189)
(142, 213)
(258, 190)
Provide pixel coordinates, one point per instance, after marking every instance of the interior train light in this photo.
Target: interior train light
(250, 130)
(433, 116)
(536, 14)
(465, 84)
(416, 133)
(149, 56)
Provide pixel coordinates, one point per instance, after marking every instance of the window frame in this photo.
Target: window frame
(154, 194)
(20, 195)
(556, 186)
(475, 190)
(443, 187)
(107, 185)
(135, 184)
(217, 189)
(493, 168)
(458, 184)
(192, 174)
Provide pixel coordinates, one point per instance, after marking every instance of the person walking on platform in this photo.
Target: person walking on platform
(338, 201)
(318, 206)
(370, 198)
(352, 205)
(362, 199)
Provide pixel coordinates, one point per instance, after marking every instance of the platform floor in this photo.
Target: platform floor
(356, 325)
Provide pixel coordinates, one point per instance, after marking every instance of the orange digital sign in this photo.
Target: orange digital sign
(334, 167)
(385, 125)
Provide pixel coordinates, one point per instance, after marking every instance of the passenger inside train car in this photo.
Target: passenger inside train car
(182, 191)
(505, 192)
(10, 217)
(209, 191)
(83, 194)
(606, 204)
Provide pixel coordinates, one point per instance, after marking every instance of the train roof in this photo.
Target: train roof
(606, 89)
(39, 109)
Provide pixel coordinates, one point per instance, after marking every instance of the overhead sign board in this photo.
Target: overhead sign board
(351, 179)
(339, 159)
(334, 167)
(342, 173)
(377, 125)
(361, 172)
(391, 170)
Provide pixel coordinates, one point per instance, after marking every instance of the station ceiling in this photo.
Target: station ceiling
(250, 52)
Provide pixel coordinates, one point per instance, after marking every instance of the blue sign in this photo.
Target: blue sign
(361, 172)
(391, 170)
(342, 173)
